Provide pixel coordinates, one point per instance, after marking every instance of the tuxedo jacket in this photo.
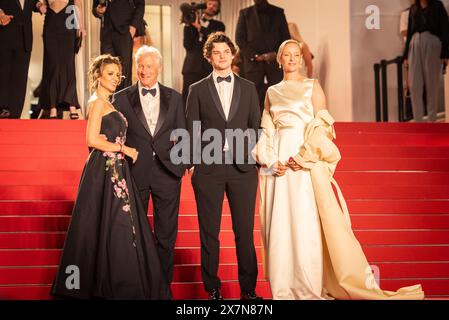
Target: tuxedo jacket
(120, 14)
(203, 104)
(194, 61)
(171, 117)
(19, 32)
(253, 37)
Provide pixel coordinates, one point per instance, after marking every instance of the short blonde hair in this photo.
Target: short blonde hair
(284, 44)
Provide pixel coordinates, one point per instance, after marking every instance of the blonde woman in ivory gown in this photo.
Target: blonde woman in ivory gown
(310, 251)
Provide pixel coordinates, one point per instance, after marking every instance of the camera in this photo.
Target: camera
(190, 10)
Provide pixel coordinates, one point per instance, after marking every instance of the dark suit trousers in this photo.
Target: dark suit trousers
(240, 189)
(119, 45)
(274, 76)
(165, 191)
(14, 65)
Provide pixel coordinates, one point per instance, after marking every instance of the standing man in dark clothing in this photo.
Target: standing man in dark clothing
(16, 42)
(224, 102)
(195, 66)
(426, 51)
(261, 29)
(120, 19)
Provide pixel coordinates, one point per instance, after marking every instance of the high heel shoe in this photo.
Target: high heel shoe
(74, 116)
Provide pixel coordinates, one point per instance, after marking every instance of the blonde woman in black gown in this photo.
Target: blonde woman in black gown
(109, 242)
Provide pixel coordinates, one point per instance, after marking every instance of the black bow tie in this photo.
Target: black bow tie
(147, 91)
(227, 79)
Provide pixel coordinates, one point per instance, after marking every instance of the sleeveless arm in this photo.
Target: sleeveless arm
(265, 152)
(318, 98)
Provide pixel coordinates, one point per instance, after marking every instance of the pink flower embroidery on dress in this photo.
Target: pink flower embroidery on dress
(115, 160)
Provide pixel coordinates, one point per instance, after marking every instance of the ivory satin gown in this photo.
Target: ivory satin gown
(295, 265)
(310, 251)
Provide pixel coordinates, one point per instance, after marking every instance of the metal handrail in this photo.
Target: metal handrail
(381, 89)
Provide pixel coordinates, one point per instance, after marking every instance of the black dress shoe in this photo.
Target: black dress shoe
(215, 294)
(5, 114)
(250, 296)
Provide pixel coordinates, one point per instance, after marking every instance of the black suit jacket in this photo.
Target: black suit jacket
(120, 14)
(253, 37)
(19, 32)
(194, 61)
(171, 117)
(203, 104)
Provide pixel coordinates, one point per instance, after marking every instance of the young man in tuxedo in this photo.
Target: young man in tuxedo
(16, 42)
(260, 31)
(153, 111)
(223, 101)
(196, 67)
(120, 20)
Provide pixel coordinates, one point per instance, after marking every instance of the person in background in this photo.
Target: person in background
(16, 42)
(261, 29)
(426, 52)
(121, 20)
(58, 87)
(195, 67)
(307, 57)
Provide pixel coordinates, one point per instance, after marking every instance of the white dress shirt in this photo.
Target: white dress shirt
(225, 91)
(150, 105)
(22, 3)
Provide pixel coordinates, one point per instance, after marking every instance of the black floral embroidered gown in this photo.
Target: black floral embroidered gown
(109, 244)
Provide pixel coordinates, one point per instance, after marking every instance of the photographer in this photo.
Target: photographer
(120, 20)
(196, 33)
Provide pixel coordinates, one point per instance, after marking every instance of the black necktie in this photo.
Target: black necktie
(146, 91)
(227, 79)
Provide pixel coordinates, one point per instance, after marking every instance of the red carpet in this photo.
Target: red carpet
(395, 178)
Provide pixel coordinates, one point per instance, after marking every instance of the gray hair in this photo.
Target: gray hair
(147, 50)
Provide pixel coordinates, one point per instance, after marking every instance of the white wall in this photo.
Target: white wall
(371, 46)
(325, 26)
(368, 48)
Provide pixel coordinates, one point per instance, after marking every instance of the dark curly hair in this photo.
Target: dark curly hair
(217, 37)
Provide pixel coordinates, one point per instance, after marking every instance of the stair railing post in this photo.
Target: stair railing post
(377, 91)
(383, 65)
(401, 110)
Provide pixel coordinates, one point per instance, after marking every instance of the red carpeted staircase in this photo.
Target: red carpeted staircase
(395, 178)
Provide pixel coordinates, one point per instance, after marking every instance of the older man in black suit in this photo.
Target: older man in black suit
(120, 20)
(260, 31)
(153, 111)
(16, 42)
